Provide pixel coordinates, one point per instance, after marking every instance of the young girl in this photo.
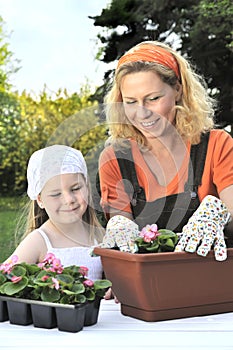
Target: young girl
(62, 219)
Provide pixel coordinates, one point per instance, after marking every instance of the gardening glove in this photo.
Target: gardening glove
(121, 232)
(205, 229)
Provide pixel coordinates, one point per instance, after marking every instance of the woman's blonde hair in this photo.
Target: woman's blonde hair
(194, 112)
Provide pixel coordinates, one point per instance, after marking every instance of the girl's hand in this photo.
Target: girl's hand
(110, 295)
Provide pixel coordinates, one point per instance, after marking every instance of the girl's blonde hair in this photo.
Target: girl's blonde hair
(194, 112)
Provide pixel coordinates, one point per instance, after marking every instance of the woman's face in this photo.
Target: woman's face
(149, 102)
(65, 198)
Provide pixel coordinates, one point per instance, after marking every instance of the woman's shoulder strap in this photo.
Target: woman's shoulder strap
(126, 163)
(197, 162)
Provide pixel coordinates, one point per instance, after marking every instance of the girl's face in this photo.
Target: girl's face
(65, 198)
(149, 103)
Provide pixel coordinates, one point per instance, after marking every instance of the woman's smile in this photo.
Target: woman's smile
(149, 124)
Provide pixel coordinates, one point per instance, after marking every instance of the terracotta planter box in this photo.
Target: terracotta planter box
(162, 286)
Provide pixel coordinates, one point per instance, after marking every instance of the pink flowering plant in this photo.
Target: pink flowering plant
(154, 240)
(49, 281)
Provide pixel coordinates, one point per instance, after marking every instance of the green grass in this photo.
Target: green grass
(10, 211)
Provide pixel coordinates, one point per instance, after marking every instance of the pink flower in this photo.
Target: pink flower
(41, 265)
(7, 266)
(13, 259)
(88, 283)
(44, 278)
(56, 283)
(149, 233)
(51, 263)
(57, 265)
(49, 257)
(83, 270)
(16, 279)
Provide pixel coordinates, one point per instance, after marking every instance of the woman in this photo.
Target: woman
(161, 107)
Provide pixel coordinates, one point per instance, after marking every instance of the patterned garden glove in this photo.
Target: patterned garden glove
(205, 229)
(121, 232)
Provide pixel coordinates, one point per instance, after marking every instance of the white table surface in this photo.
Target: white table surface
(115, 331)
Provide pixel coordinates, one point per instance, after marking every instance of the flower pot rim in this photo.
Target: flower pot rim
(151, 257)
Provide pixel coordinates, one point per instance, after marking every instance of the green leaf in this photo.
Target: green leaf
(72, 270)
(11, 288)
(90, 295)
(50, 295)
(80, 299)
(43, 273)
(164, 231)
(78, 288)
(169, 243)
(65, 279)
(2, 279)
(102, 284)
(35, 294)
(32, 269)
(139, 240)
(163, 238)
(154, 248)
(68, 292)
(66, 299)
(18, 270)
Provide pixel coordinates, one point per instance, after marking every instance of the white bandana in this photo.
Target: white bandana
(51, 161)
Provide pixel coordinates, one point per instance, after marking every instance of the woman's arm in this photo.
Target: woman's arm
(114, 199)
(113, 212)
(226, 196)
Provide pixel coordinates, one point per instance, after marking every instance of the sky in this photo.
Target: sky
(55, 42)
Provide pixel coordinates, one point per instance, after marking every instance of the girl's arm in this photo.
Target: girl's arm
(32, 249)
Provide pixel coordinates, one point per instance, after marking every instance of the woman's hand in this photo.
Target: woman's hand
(205, 229)
(121, 233)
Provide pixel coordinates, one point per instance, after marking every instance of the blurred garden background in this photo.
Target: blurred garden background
(200, 29)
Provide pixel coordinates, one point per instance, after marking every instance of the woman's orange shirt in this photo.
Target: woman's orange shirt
(217, 175)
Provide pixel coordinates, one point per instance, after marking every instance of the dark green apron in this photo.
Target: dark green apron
(171, 212)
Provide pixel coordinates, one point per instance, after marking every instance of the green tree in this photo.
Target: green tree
(9, 108)
(45, 120)
(8, 65)
(211, 48)
(29, 122)
(202, 30)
